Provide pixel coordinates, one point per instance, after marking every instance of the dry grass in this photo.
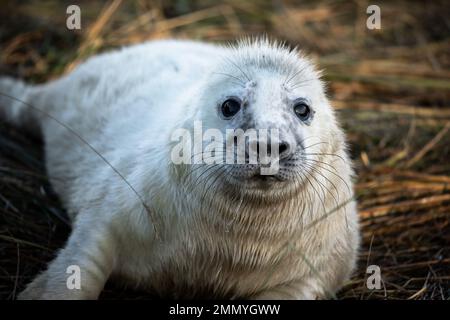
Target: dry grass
(391, 89)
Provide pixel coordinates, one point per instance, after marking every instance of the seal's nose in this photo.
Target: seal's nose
(284, 148)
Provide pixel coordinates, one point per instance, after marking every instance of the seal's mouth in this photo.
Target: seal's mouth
(245, 181)
(254, 179)
(265, 182)
(260, 188)
(266, 178)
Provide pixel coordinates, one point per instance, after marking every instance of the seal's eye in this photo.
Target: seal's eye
(302, 110)
(230, 107)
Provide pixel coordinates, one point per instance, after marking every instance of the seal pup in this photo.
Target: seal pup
(182, 230)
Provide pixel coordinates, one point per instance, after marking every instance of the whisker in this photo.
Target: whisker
(240, 82)
(318, 195)
(239, 68)
(286, 82)
(318, 181)
(300, 83)
(338, 176)
(325, 154)
(315, 144)
(322, 162)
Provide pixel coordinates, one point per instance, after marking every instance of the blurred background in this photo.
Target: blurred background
(391, 88)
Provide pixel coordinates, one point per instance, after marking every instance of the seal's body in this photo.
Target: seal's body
(221, 230)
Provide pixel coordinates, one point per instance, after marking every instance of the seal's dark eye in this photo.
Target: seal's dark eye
(302, 111)
(230, 107)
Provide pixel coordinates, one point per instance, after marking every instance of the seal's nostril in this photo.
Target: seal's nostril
(283, 148)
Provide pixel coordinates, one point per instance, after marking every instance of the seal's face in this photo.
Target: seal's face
(278, 95)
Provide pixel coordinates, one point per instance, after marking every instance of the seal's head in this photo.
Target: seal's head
(276, 92)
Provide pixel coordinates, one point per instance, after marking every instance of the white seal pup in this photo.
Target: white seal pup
(223, 230)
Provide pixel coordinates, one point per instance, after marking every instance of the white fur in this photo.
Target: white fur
(257, 243)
